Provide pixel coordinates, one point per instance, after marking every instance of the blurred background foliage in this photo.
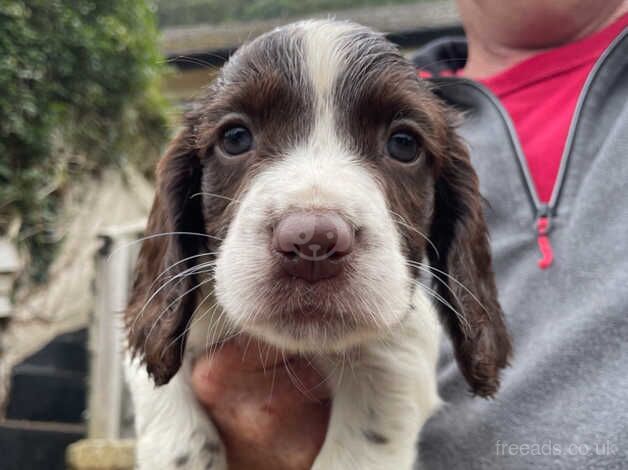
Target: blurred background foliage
(80, 92)
(183, 12)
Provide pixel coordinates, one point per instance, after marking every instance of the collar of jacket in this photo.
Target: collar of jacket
(448, 53)
(604, 84)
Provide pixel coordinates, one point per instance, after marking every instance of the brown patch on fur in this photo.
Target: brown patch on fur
(436, 196)
(481, 342)
(257, 89)
(155, 323)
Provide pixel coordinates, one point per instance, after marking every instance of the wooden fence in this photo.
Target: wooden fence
(109, 408)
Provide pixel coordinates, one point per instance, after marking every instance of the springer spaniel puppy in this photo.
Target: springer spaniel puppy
(311, 199)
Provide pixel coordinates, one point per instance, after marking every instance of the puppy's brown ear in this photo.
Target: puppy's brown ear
(463, 274)
(161, 302)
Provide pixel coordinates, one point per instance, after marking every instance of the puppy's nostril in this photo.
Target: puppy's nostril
(312, 244)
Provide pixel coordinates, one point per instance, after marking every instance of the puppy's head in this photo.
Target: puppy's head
(308, 188)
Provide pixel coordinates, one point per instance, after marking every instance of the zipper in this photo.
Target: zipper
(543, 227)
(544, 213)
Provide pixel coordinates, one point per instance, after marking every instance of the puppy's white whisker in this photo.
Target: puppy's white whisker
(401, 221)
(191, 323)
(173, 265)
(170, 305)
(449, 276)
(439, 279)
(126, 245)
(217, 196)
(188, 272)
(272, 383)
(296, 381)
(461, 318)
(246, 347)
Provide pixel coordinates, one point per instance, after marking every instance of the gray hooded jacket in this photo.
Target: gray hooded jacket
(563, 403)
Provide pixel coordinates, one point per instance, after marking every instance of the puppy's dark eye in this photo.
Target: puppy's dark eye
(237, 140)
(402, 146)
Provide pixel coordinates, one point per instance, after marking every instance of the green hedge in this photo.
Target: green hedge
(79, 92)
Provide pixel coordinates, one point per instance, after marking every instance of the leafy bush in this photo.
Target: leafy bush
(79, 81)
(217, 11)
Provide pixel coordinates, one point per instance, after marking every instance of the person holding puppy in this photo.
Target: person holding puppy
(544, 90)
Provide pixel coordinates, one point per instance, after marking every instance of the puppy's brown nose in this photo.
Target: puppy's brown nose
(313, 245)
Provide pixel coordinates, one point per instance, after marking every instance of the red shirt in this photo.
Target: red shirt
(541, 93)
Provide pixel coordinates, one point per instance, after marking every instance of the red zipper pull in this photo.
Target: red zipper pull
(542, 238)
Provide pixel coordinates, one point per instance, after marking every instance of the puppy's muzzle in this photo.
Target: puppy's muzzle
(313, 245)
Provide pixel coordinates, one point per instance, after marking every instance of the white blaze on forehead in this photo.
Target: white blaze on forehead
(325, 50)
(323, 170)
(325, 152)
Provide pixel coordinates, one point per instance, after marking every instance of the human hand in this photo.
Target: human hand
(269, 415)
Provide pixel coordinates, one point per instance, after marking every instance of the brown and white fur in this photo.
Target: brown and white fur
(321, 99)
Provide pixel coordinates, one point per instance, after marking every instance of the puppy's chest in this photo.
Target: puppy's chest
(409, 348)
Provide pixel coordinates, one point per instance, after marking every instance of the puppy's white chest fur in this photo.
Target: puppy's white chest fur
(380, 401)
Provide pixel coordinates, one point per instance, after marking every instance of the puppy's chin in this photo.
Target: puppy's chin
(309, 339)
(327, 317)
